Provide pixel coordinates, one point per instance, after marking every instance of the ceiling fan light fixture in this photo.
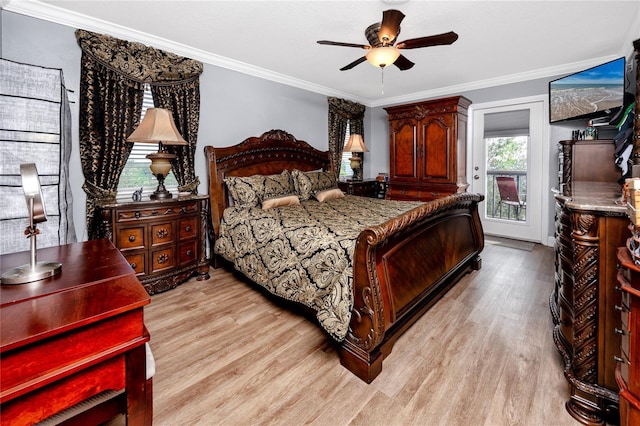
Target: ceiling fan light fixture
(382, 56)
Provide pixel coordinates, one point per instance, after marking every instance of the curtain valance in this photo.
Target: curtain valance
(348, 109)
(136, 61)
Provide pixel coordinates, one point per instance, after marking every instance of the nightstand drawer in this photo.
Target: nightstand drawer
(130, 238)
(187, 252)
(137, 262)
(163, 259)
(161, 233)
(188, 228)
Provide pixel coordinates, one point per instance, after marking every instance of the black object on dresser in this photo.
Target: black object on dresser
(164, 241)
(372, 188)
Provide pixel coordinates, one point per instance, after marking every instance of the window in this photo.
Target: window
(345, 164)
(136, 172)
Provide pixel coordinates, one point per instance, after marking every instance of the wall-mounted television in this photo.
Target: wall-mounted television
(593, 93)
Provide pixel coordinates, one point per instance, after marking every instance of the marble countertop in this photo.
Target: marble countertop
(593, 196)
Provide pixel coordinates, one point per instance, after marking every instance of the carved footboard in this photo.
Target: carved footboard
(401, 268)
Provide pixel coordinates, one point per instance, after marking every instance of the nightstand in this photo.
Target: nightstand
(163, 240)
(372, 188)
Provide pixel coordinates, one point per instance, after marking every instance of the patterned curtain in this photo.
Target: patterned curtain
(112, 82)
(343, 113)
(184, 102)
(110, 108)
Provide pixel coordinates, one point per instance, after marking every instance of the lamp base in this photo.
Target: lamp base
(26, 274)
(356, 164)
(160, 167)
(160, 194)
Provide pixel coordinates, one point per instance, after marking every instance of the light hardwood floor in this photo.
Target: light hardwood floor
(483, 355)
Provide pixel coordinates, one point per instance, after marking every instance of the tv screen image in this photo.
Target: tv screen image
(592, 93)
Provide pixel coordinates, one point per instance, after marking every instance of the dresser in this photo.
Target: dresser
(73, 345)
(163, 240)
(427, 149)
(628, 369)
(590, 225)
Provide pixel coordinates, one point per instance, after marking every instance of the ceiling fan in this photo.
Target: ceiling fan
(382, 37)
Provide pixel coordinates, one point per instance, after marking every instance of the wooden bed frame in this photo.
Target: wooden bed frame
(401, 267)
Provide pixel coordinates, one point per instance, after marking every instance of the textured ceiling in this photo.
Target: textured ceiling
(499, 41)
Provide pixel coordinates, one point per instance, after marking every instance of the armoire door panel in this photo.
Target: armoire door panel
(404, 165)
(436, 160)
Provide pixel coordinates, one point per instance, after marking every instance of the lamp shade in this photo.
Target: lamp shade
(157, 126)
(382, 56)
(355, 144)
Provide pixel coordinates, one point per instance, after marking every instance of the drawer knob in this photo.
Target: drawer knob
(163, 258)
(187, 228)
(134, 265)
(162, 233)
(132, 238)
(189, 252)
(137, 215)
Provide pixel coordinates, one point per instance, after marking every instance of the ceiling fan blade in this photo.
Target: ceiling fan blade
(403, 63)
(434, 40)
(339, 43)
(390, 26)
(354, 63)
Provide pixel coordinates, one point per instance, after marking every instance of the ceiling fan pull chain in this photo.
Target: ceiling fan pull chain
(382, 79)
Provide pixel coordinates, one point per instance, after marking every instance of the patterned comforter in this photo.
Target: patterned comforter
(304, 252)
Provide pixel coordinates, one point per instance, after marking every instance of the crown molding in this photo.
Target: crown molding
(51, 13)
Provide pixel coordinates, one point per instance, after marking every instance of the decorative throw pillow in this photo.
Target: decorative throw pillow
(308, 184)
(329, 194)
(287, 200)
(278, 185)
(249, 191)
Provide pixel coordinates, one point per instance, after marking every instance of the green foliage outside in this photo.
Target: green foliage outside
(345, 169)
(507, 153)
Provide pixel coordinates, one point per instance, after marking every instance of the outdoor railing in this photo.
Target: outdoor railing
(492, 196)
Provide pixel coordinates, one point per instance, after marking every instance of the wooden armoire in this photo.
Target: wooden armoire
(427, 149)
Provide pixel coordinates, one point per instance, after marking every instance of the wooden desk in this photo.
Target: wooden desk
(74, 337)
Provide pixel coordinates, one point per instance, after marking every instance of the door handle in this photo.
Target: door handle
(476, 177)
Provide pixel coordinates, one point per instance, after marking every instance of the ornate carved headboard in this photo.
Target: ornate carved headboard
(268, 154)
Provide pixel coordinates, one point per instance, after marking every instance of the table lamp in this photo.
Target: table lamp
(158, 126)
(356, 145)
